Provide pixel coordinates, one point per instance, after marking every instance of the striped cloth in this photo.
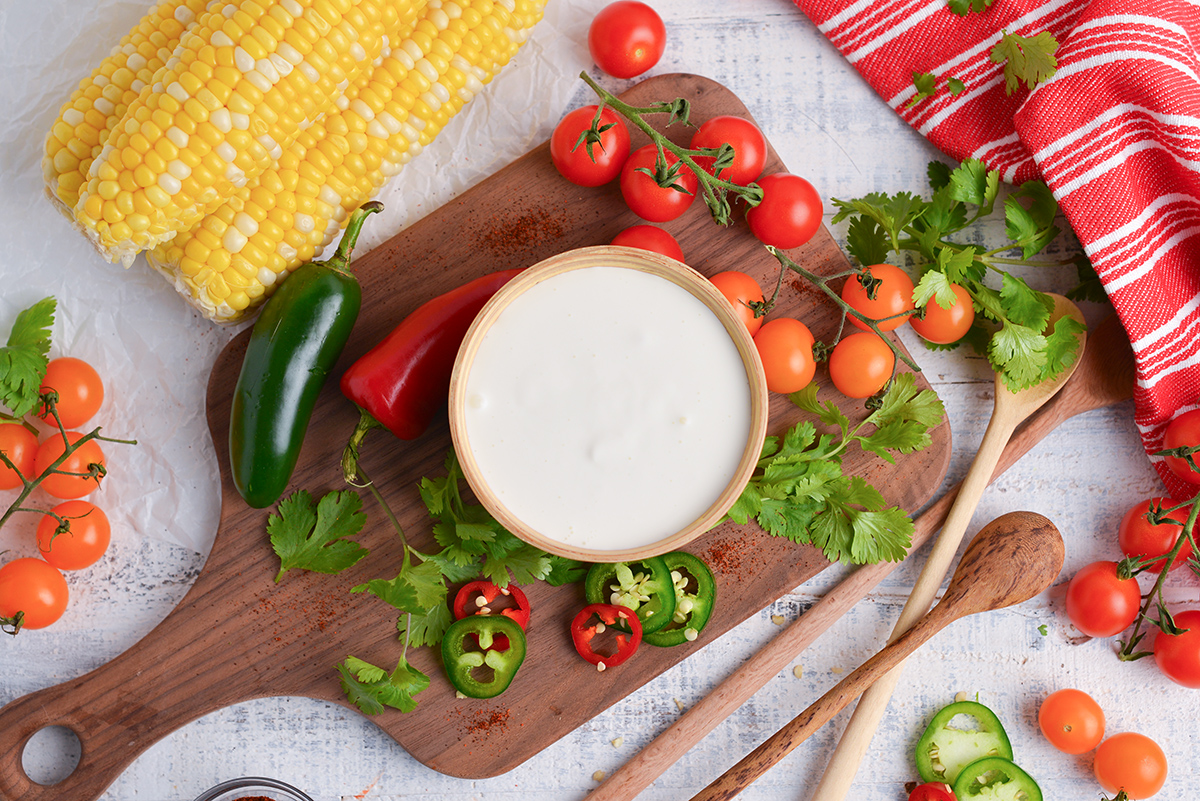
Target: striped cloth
(1115, 133)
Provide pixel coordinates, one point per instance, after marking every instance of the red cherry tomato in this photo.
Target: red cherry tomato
(1138, 537)
(861, 365)
(627, 38)
(931, 791)
(35, 588)
(740, 289)
(82, 544)
(603, 162)
(1131, 762)
(748, 142)
(790, 211)
(1178, 655)
(1101, 604)
(1072, 721)
(648, 237)
(645, 197)
(785, 348)
(80, 391)
(944, 326)
(80, 461)
(893, 295)
(1184, 430)
(19, 444)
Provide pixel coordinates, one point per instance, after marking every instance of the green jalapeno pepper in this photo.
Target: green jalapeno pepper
(944, 750)
(996, 779)
(692, 608)
(295, 342)
(464, 667)
(644, 586)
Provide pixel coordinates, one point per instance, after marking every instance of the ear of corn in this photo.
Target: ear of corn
(239, 87)
(228, 191)
(232, 260)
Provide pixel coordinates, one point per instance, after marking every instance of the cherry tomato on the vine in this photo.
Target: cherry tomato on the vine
(80, 461)
(648, 237)
(785, 347)
(1099, 602)
(748, 142)
(80, 391)
(571, 155)
(85, 540)
(645, 197)
(944, 326)
(1137, 536)
(1072, 721)
(1178, 655)
(790, 211)
(1184, 430)
(932, 791)
(34, 587)
(19, 444)
(627, 38)
(1131, 762)
(861, 364)
(893, 295)
(740, 289)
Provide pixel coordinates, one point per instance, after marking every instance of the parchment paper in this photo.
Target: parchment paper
(153, 351)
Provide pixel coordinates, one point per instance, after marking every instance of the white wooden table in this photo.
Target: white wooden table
(828, 126)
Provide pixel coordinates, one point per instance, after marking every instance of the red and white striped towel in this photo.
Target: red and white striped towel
(1115, 133)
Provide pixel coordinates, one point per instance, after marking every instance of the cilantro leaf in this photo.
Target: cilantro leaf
(903, 419)
(317, 540)
(972, 182)
(1020, 353)
(1023, 304)
(371, 689)
(427, 627)
(23, 359)
(959, 265)
(956, 86)
(893, 213)
(938, 173)
(1089, 287)
(1028, 59)
(866, 241)
(1031, 228)
(964, 7)
(934, 286)
(564, 571)
(881, 535)
(926, 86)
(1062, 346)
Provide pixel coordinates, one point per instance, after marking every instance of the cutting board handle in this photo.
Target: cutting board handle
(122, 708)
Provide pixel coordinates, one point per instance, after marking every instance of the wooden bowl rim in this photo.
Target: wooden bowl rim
(643, 261)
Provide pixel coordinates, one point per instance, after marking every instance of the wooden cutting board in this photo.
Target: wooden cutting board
(237, 635)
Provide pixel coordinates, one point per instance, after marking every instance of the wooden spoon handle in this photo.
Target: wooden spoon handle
(801, 727)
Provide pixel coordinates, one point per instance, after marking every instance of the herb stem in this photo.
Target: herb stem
(383, 504)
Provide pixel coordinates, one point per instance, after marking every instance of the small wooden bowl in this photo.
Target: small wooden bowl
(633, 259)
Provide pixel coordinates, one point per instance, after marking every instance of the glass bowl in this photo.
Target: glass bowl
(253, 788)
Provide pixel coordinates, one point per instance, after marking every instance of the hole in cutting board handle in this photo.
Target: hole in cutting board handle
(51, 755)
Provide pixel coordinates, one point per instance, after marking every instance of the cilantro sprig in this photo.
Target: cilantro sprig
(1025, 60)
(1012, 328)
(317, 538)
(23, 358)
(799, 491)
(371, 688)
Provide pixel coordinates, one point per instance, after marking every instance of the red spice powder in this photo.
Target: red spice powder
(727, 554)
(483, 722)
(527, 231)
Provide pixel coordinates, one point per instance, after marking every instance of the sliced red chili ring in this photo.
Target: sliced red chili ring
(465, 605)
(583, 631)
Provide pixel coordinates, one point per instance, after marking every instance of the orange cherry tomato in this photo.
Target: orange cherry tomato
(80, 461)
(19, 444)
(944, 326)
(740, 289)
(32, 586)
(82, 544)
(861, 364)
(80, 391)
(1131, 762)
(785, 348)
(893, 295)
(1072, 721)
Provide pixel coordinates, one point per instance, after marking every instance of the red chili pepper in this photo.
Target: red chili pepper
(404, 380)
(582, 633)
(464, 602)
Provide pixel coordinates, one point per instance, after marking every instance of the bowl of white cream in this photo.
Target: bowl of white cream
(608, 405)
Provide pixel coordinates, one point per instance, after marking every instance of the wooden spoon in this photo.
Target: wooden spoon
(1013, 558)
(1104, 377)
(1009, 410)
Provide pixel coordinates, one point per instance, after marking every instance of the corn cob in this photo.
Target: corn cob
(230, 262)
(95, 107)
(238, 89)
